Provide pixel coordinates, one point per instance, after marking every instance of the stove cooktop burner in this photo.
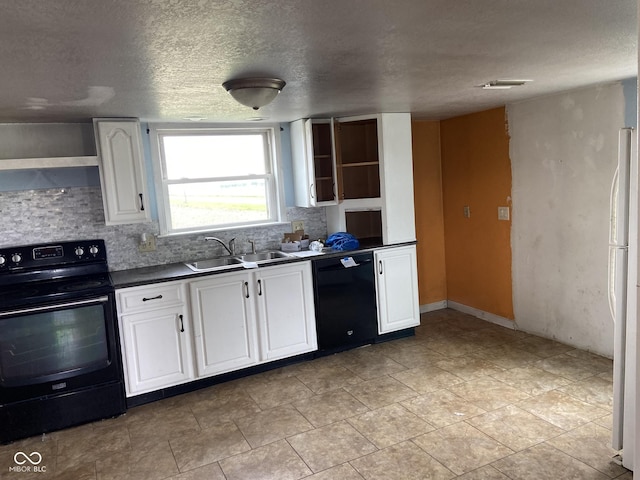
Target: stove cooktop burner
(57, 313)
(56, 272)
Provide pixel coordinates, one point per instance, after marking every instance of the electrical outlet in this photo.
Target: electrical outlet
(503, 213)
(149, 245)
(297, 225)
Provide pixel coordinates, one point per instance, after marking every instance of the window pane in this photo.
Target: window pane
(195, 205)
(210, 156)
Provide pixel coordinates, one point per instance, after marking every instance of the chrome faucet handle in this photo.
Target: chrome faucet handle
(253, 246)
(220, 242)
(232, 246)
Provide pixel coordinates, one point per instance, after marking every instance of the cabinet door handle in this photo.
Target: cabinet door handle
(141, 203)
(380, 266)
(311, 191)
(145, 299)
(181, 323)
(246, 289)
(259, 287)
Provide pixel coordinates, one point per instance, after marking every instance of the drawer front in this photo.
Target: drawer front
(150, 297)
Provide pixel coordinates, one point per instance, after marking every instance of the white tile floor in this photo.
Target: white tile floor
(462, 399)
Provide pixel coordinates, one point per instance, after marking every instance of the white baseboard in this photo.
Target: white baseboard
(489, 317)
(430, 307)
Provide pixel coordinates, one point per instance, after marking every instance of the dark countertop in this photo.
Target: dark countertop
(144, 275)
(179, 271)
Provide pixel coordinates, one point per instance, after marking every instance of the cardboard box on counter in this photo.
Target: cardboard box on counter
(290, 247)
(293, 242)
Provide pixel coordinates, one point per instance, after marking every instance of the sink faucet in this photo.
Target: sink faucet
(253, 246)
(232, 244)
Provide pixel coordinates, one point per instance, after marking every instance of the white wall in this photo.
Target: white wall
(563, 155)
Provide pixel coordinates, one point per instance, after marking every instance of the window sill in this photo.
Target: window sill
(223, 229)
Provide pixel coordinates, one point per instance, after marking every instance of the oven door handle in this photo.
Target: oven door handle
(54, 307)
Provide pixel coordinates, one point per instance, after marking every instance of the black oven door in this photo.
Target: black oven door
(55, 349)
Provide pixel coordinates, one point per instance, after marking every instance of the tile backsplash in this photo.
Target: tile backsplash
(44, 216)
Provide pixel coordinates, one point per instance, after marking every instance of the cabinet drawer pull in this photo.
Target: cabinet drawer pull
(380, 266)
(145, 299)
(259, 287)
(181, 323)
(141, 203)
(311, 191)
(246, 289)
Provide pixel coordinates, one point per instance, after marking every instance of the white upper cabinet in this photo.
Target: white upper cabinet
(314, 166)
(122, 174)
(396, 173)
(375, 176)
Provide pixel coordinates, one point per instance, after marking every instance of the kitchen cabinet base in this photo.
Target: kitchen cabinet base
(264, 367)
(407, 332)
(344, 347)
(385, 337)
(214, 380)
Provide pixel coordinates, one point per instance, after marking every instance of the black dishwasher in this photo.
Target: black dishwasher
(345, 298)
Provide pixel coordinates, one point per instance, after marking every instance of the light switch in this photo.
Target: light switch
(503, 213)
(297, 225)
(147, 243)
(466, 211)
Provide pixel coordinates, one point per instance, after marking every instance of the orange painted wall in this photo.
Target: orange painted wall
(476, 171)
(427, 178)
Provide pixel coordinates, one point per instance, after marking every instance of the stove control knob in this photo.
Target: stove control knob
(16, 258)
(93, 250)
(2, 260)
(79, 251)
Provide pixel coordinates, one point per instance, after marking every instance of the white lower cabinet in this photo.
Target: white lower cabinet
(223, 323)
(229, 321)
(286, 315)
(234, 320)
(155, 337)
(242, 319)
(397, 288)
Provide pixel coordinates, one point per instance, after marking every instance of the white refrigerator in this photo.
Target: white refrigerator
(623, 295)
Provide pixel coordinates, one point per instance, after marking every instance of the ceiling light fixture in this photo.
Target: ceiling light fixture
(254, 92)
(503, 84)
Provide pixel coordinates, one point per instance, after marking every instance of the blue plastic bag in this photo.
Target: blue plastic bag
(342, 241)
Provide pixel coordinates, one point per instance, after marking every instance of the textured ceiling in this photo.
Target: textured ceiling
(166, 59)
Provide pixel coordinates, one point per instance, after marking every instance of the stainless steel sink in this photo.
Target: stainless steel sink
(220, 263)
(263, 256)
(213, 264)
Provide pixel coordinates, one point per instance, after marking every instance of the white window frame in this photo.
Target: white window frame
(273, 177)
